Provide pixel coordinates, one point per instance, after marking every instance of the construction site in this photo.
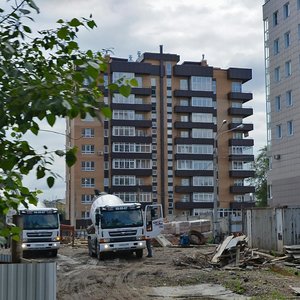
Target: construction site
(184, 266)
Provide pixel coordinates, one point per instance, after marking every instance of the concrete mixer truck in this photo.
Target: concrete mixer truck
(41, 228)
(118, 226)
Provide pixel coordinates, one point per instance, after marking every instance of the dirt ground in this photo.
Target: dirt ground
(172, 273)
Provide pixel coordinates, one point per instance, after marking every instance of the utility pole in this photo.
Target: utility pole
(216, 225)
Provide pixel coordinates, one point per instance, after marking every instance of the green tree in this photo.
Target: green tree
(43, 76)
(261, 166)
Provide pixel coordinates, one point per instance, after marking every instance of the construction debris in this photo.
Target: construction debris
(293, 251)
(233, 253)
(230, 250)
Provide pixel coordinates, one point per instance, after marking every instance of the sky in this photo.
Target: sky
(228, 32)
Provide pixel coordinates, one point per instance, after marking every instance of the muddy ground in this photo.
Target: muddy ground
(172, 273)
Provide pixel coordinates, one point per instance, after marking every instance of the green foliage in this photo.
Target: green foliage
(43, 76)
(260, 179)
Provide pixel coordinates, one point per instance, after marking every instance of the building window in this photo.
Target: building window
(278, 131)
(88, 118)
(288, 68)
(88, 132)
(88, 166)
(276, 46)
(184, 133)
(168, 68)
(123, 131)
(203, 181)
(287, 39)
(87, 149)
(139, 81)
(184, 102)
(286, 10)
(123, 115)
(298, 4)
(289, 98)
(184, 118)
(124, 180)
(275, 18)
(121, 76)
(200, 133)
(290, 128)
(87, 182)
(277, 103)
(203, 197)
(87, 198)
(236, 87)
(202, 102)
(199, 83)
(85, 215)
(184, 181)
(277, 74)
(183, 84)
(202, 117)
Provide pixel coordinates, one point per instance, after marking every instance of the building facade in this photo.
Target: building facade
(282, 63)
(161, 143)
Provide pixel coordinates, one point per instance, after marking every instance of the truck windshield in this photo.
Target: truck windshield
(40, 221)
(121, 218)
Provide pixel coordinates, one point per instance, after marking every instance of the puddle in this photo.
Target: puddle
(203, 291)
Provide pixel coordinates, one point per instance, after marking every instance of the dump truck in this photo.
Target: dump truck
(119, 227)
(41, 228)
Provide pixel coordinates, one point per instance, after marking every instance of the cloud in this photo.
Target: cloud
(229, 33)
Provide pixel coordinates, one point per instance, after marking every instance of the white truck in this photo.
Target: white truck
(41, 228)
(118, 226)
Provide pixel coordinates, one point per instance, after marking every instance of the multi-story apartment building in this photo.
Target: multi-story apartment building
(160, 144)
(282, 63)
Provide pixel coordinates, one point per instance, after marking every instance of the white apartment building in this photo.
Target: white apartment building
(282, 65)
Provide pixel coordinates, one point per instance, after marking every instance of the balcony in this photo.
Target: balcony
(241, 205)
(241, 142)
(194, 109)
(193, 189)
(131, 155)
(190, 141)
(192, 69)
(240, 96)
(240, 111)
(245, 128)
(192, 205)
(239, 74)
(244, 189)
(136, 123)
(132, 139)
(137, 172)
(190, 125)
(131, 188)
(141, 91)
(189, 94)
(136, 107)
(190, 156)
(241, 173)
(241, 157)
(189, 173)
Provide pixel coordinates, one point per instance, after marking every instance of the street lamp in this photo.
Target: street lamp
(216, 182)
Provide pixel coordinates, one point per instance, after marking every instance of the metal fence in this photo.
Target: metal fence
(27, 281)
(272, 228)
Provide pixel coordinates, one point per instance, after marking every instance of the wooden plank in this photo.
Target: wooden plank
(221, 248)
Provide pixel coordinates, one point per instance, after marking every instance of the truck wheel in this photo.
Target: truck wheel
(139, 253)
(91, 253)
(99, 254)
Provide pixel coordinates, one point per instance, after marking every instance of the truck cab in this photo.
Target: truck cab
(41, 230)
